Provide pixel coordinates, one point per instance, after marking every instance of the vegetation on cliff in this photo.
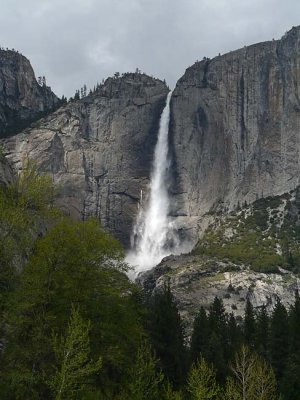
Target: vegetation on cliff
(74, 327)
(264, 235)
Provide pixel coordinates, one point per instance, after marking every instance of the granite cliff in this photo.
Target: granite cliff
(99, 149)
(235, 129)
(234, 139)
(22, 99)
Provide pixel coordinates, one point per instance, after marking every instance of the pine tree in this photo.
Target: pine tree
(63, 100)
(166, 334)
(217, 317)
(146, 378)
(76, 367)
(218, 351)
(215, 354)
(77, 95)
(202, 383)
(249, 324)
(279, 342)
(234, 335)
(262, 333)
(200, 335)
(169, 394)
(294, 319)
(290, 381)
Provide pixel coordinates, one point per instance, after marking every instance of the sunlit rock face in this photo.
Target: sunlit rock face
(234, 137)
(235, 128)
(22, 99)
(195, 281)
(99, 150)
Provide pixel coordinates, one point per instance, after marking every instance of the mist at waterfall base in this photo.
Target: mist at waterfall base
(154, 235)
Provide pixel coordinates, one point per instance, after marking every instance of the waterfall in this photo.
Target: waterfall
(154, 235)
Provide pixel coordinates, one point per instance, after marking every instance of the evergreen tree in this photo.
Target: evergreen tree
(290, 381)
(262, 333)
(217, 317)
(294, 319)
(77, 95)
(145, 379)
(215, 354)
(75, 366)
(166, 334)
(169, 394)
(200, 335)
(202, 383)
(234, 335)
(218, 351)
(63, 100)
(249, 324)
(279, 342)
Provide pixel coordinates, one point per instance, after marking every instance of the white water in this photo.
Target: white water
(154, 235)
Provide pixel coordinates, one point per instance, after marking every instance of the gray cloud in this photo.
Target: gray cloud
(74, 42)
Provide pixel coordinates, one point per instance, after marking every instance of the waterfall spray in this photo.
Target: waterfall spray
(154, 235)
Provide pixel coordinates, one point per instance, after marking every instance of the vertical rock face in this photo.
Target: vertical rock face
(6, 172)
(22, 99)
(236, 127)
(99, 150)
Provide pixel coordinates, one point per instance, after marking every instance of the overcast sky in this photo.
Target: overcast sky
(73, 42)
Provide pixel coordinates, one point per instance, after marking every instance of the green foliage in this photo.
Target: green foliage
(279, 339)
(73, 356)
(252, 378)
(33, 191)
(76, 269)
(26, 207)
(145, 378)
(200, 335)
(202, 384)
(217, 351)
(74, 263)
(256, 232)
(169, 394)
(249, 324)
(262, 333)
(167, 336)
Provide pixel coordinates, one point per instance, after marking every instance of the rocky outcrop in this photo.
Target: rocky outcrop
(7, 174)
(236, 128)
(195, 281)
(22, 99)
(99, 149)
(250, 253)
